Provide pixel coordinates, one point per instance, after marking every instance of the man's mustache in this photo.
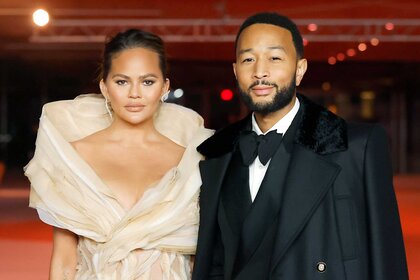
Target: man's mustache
(262, 82)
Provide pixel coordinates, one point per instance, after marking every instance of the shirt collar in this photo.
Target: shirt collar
(283, 124)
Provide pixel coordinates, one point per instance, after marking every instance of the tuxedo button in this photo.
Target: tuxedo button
(321, 267)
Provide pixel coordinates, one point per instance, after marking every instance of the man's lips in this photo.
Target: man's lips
(262, 90)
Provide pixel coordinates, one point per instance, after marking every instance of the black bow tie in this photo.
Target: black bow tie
(251, 145)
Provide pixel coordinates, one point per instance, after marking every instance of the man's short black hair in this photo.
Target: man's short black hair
(278, 20)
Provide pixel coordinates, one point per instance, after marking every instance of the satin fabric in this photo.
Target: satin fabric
(152, 240)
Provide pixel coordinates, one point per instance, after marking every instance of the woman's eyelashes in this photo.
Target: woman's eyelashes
(121, 82)
(144, 82)
(148, 82)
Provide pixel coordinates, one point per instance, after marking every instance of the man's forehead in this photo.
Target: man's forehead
(273, 35)
(266, 27)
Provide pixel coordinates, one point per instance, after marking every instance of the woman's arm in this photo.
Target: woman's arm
(64, 255)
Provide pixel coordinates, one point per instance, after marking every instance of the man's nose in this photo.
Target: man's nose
(260, 70)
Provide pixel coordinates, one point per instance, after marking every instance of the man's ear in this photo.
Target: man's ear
(234, 69)
(301, 67)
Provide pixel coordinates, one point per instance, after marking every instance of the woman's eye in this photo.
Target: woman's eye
(121, 82)
(148, 82)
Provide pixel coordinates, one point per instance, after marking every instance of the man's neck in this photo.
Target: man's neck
(267, 121)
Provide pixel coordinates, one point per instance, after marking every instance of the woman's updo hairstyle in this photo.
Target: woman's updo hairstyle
(130, 39)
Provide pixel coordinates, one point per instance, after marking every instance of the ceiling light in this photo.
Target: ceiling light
(41, 17)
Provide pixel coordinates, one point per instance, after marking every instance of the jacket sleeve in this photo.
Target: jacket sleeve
(387, 259)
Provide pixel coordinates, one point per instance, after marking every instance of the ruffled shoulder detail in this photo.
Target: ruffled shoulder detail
(67, 193)
(180, 124)
(86, 114)
(77, 118)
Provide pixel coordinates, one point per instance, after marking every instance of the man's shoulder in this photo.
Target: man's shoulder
(319, 129)
(365, 131)
(324, 132)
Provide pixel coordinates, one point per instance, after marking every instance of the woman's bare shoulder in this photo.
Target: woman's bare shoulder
(89, 142)
(170, 151)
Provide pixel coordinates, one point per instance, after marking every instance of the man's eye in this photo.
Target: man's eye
(276, 58)
(247, 60)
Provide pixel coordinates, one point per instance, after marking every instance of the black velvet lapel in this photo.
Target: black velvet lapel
(319, 130)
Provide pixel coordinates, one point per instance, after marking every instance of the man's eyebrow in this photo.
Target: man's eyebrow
(270, 48)
(244, 51)
(277, 48)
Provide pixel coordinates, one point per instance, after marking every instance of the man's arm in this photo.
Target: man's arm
(386, 247)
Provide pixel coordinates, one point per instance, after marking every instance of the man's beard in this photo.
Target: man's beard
(282, 97)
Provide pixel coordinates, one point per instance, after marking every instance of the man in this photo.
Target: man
(322, 206)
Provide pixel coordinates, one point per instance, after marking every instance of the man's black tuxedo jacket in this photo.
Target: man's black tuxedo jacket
(338, 208)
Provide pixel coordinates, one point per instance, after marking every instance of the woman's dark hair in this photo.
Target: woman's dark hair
(130, 39)
(278, 20)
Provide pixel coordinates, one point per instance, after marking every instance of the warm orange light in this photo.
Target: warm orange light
(341, 56)
(326, 86)
(226, 95)
(333, 108)
(351, 52)
(362, 47)
(389, 26)
(312, 27)
(374, 42)
(305, 42)
(41, 17)
(332, 60)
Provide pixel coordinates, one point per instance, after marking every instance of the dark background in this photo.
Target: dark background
(378, 85)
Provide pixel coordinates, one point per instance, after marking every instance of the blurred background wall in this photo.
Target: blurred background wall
(364, 62)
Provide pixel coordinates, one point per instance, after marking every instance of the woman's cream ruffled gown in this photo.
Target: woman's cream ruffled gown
(154, 239)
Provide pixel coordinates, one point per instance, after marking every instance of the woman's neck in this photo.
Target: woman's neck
(132, 135)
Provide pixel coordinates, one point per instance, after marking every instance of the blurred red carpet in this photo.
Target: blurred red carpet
(408, 195)
(25, 242)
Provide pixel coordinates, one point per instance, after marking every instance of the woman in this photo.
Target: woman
(117, 176)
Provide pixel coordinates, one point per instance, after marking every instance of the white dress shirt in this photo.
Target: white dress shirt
(257, 170)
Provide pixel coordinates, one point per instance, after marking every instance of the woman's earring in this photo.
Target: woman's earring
(108, 107)
(164, 97)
